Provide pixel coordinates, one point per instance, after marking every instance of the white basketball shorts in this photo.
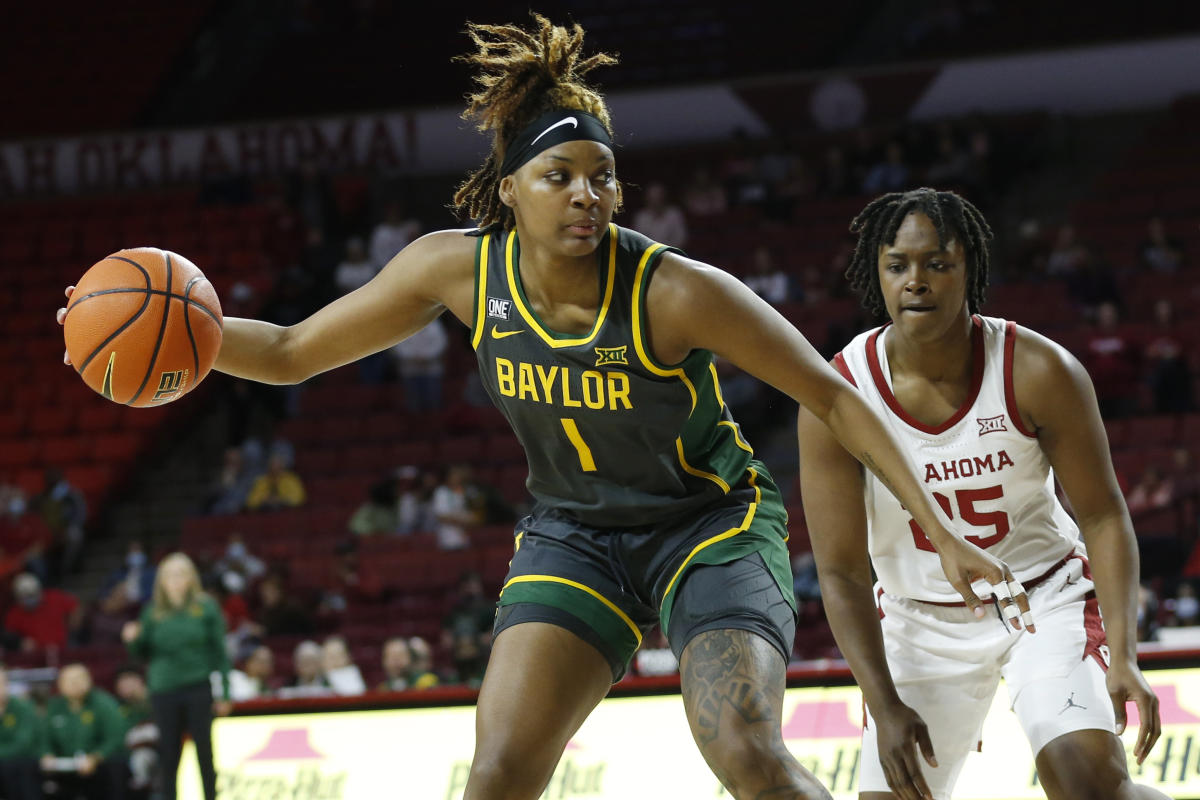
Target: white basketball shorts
(947, 665)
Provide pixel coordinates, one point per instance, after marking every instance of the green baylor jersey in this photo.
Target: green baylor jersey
(613, 438)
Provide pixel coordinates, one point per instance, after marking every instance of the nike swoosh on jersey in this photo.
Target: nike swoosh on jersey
(106, 386)
(574, 123)
(498, 334)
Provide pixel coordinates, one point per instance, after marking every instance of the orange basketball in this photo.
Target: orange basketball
(143, 327)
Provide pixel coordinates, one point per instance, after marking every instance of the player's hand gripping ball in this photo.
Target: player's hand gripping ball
(143, 327)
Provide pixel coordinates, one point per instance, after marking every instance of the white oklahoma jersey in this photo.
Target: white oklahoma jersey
(982, 466)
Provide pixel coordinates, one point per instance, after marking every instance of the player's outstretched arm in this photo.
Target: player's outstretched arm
(831, 487)
(1057, 402)
(431, 274)
(692, 305)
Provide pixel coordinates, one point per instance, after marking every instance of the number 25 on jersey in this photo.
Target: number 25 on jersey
(965, 499)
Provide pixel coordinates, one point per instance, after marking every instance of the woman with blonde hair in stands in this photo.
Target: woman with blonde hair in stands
(181, 637)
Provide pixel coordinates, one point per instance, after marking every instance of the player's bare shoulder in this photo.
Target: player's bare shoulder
(1044, 372)
(441, 264)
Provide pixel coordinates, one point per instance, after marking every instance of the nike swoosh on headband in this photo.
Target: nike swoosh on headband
(574, 123)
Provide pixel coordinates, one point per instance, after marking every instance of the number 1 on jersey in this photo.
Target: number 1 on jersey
(586, 462)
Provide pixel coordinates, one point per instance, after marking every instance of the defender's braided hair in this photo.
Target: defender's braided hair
(522, 74)
(952, 215)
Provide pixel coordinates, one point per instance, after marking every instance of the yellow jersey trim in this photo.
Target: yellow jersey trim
(720, 537)
(534, 324)
(737, 430)
(481, 290)
(640, 347)
(587, 589)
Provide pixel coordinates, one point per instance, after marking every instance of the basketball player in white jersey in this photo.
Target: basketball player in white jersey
(991, 413)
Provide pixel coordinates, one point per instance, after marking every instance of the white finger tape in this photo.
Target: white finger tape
(1001, 591)
(1027, 618)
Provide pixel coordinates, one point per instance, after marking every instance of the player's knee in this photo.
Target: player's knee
(749, 766)
(503, 774)
(1085, 767)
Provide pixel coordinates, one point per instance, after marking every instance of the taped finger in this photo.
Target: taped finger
(1001, 592)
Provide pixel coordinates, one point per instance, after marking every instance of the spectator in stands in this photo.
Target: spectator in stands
(704, 197)
(277, 488)
(951, 166)
(890, 174)
(1067, 255)
(22, 731)
(467, 629)
(85, 737)
(796, 183)
(336, 598)
(1152, 491)
(356, 269)
(413, 511)
(230, 589)
(308, 679)
(660, 218)
(65, 511)
(393, 233)
(835, 177)
(396, 660)
(379, 514)
(122, 594)
(744, 186)
(181, 638)
(1147, 614)
(1113, 358)
(1186, 607)
(228, 492)
(420, 363)
(1158, 251)
(141, 733)
(340, 670)
(42, 619)
(24, 535)
(1093, 283)
(251, 678)
(765, 277)
(456, 507)
(238, 559)
(311, 196)
(421, 674)
(1167, 369)
(279, 612)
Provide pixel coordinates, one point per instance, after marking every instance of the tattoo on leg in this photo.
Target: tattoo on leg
(718, 676)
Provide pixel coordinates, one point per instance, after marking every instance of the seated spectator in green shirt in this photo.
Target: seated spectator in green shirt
(85, 737)
(141, 733)
(22, 741)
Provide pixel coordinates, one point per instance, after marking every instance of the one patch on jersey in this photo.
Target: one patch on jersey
(611, 355)
(991, 424)
(498, 308)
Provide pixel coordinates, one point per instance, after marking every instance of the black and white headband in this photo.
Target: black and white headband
(550, 129)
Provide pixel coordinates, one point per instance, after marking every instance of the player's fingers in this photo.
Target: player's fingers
(60, 315)
(916, 780)
(898, 779)
(1005, 601)
(1022, 600)
(926, 745)
(69, 291)
(1118, 702)
(972, 601)
(1151, 726)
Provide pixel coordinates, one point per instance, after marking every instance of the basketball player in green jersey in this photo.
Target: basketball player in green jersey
(596, 344)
